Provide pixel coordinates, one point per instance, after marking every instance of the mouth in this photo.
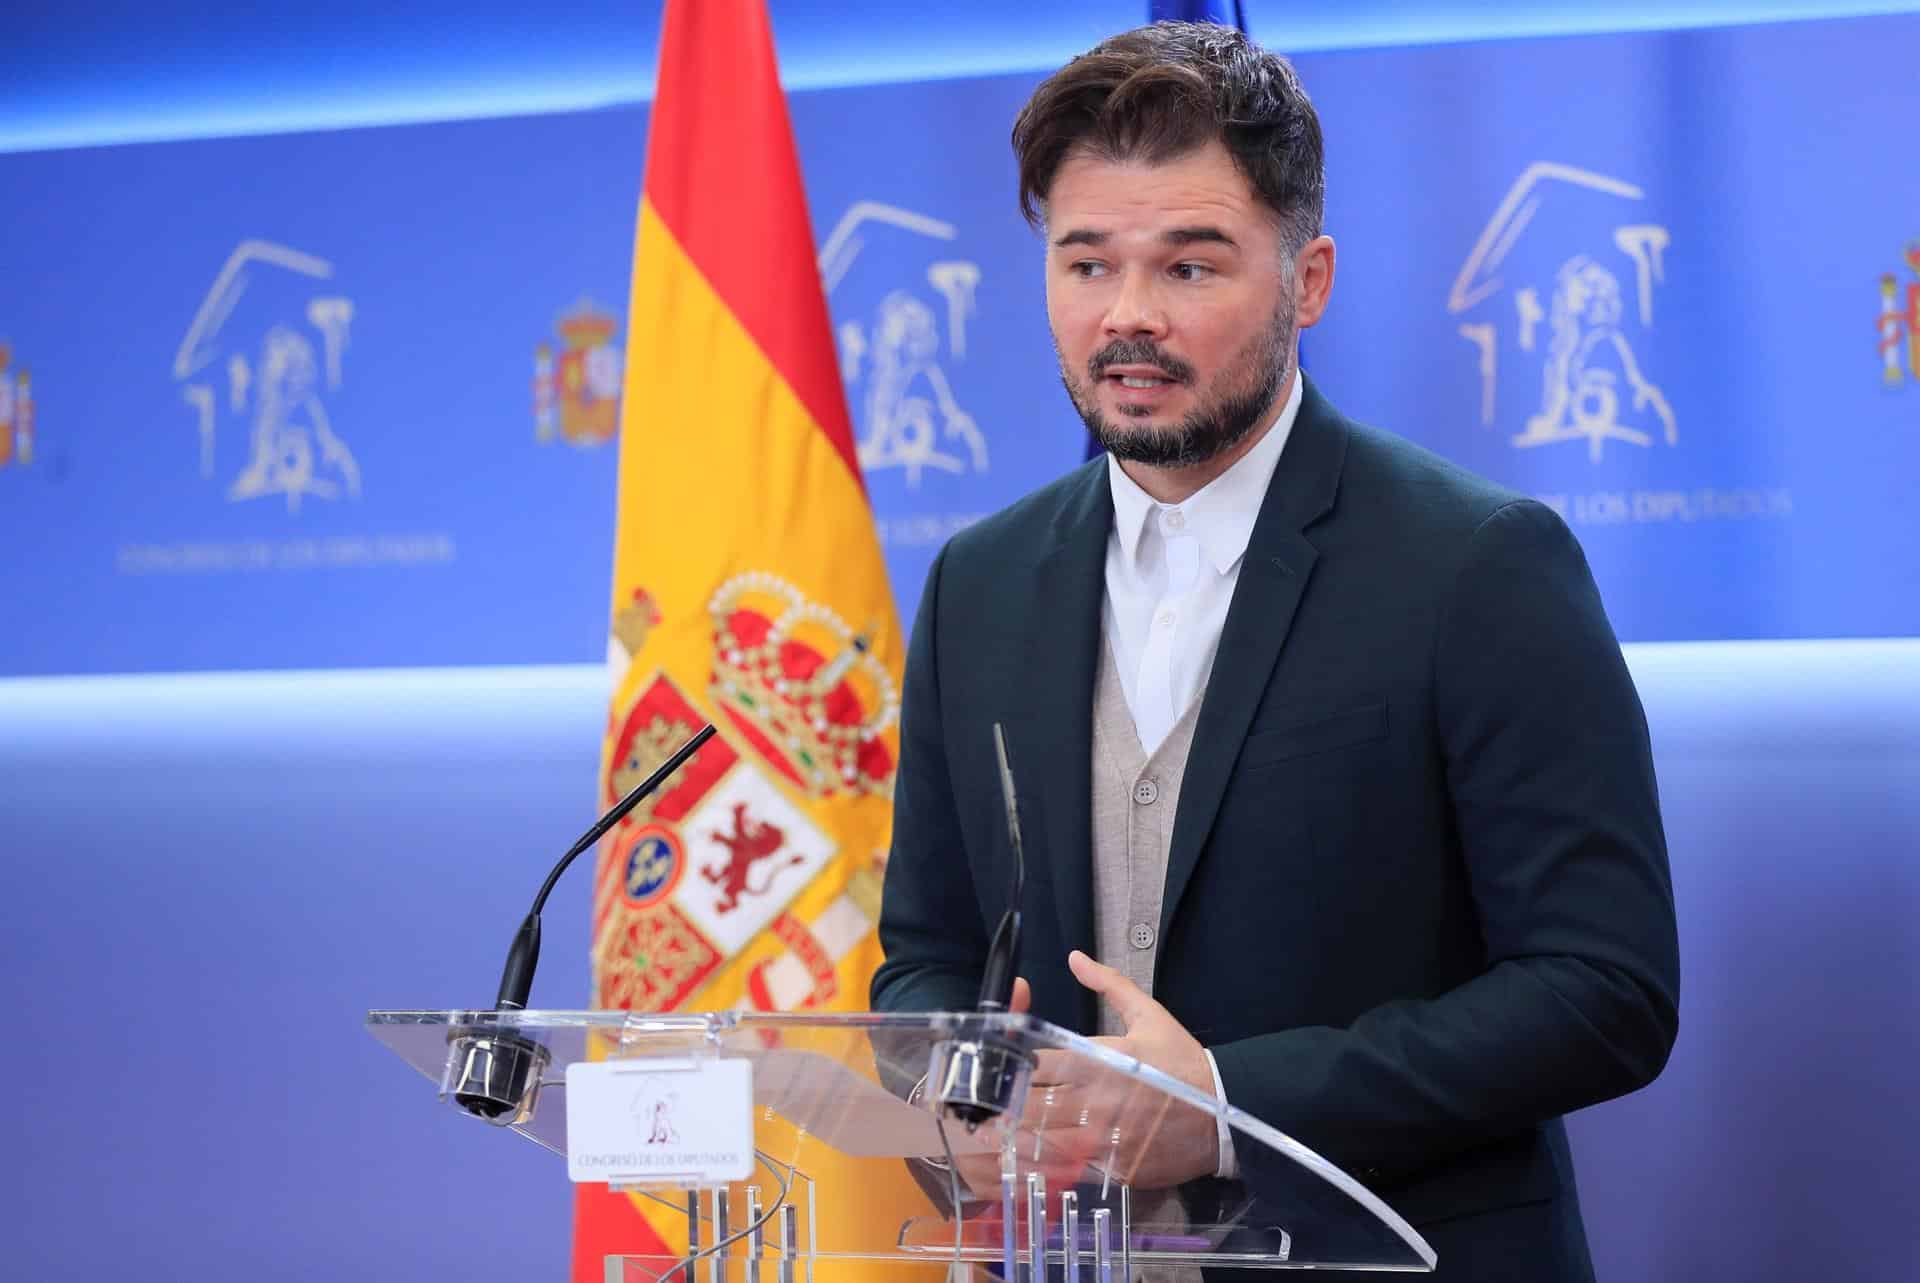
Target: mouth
(1138, 377)
(1137, 390)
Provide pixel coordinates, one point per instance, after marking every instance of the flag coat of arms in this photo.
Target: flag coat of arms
(749, 590)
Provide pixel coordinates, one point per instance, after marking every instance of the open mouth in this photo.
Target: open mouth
(1139, 378)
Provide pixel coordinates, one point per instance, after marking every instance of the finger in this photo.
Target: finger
(1022, 999)
(1051, 1068)
(1128, 1000)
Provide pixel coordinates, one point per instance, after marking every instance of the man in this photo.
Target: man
(1326, 750)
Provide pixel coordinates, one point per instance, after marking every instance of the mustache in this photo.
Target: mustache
(1138, 352)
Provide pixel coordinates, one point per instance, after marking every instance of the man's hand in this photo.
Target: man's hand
(1153, 1035)
(1093, 1117)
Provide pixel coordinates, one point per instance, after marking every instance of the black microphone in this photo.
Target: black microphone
(980, 1072)
(1003, 954)
(496, 1074)
(516, 979)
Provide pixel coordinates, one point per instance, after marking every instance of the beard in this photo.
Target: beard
(1233, 404)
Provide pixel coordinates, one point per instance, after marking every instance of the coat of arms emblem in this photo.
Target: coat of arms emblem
(576, 391)
(16, 411)
(718, 857)
(1900, 318)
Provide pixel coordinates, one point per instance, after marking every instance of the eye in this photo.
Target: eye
(1192, 271)
(1087, 268)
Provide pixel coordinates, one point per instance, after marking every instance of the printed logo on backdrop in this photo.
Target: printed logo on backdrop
(17, 443)
(905, 293)
(576, 389)
(1573, 311)
(719, 855)
(260, 368)
(1899, 322)
(1559, 300)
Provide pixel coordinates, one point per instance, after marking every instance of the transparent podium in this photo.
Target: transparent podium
(944, 1145)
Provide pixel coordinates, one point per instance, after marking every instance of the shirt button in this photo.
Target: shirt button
(1140, 936)
(1146, 792)
(1164, 619)
(1176, 519)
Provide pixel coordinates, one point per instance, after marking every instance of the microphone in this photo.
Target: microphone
(496, 1075)
(1003, 954)
(980, 1073)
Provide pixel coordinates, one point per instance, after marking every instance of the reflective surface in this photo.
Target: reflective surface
(1084, 1131)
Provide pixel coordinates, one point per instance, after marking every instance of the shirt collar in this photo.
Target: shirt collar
(1221, 513)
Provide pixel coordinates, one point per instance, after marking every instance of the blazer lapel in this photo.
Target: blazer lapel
(1273, 579)
(1054, 748)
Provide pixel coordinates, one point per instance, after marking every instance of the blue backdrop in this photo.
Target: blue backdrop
(283, 387)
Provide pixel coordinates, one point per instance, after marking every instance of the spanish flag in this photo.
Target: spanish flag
(748, 590)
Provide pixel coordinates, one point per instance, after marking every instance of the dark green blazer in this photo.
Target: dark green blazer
(1417, 903)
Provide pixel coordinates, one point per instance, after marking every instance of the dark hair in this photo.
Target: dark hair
(1158, 92)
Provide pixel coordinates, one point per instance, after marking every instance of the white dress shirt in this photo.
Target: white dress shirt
(1171, 570)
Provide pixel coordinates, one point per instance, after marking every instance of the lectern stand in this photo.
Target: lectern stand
(1066, 1173)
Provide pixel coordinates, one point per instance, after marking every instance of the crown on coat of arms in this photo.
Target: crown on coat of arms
(586, 326)
(803, 687)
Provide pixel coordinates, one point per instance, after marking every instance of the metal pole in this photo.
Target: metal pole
(1037, 1227)
(722, 1229)
(1070, 1233)
(693, 1232)
(756, 1234)
(1009, 1203)
(789, 1239)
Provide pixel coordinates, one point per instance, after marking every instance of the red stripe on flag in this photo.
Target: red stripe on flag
(724, 176)
(606, 1223)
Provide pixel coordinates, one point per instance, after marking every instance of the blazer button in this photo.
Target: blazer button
(1140, 936)
(1146, 792)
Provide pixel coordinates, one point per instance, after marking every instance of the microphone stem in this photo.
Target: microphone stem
(620, 809)
(516, 978)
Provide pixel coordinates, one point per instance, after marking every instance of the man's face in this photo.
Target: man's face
(1171, 299)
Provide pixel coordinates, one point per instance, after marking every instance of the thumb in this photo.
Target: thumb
(1129, 1001)
(1022, 999)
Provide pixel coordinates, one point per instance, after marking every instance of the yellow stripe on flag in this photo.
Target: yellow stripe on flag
(723, 471)
(749, 590)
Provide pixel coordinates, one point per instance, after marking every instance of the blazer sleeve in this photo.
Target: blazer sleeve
(1550, 776)
(930, 924)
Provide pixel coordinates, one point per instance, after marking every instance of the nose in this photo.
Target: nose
(1136, 310)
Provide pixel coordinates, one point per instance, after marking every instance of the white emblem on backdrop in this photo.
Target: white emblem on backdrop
(1593, 385)
(271, 371)
(895, 363)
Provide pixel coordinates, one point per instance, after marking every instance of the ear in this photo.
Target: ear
(1312, 280)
